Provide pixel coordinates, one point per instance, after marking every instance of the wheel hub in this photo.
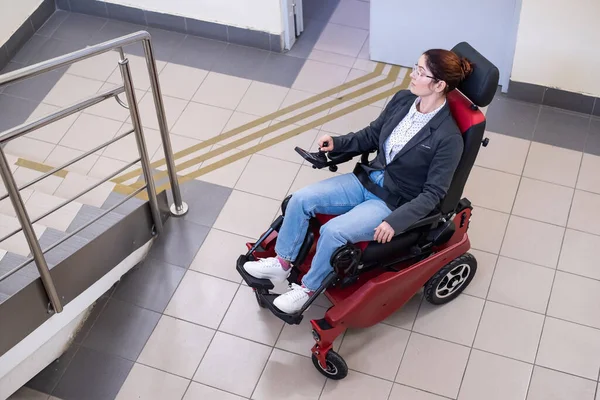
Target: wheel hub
(453, 280)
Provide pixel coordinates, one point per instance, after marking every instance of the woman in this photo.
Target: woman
(419, 146)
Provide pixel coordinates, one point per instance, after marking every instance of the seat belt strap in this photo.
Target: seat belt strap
(391, 200)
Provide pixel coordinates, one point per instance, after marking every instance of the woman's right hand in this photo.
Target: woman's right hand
(325, 143)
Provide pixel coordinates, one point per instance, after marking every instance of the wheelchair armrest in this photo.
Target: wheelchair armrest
(428, 220)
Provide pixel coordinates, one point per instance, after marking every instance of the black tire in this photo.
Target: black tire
(259, 300)
(336, 366)
(451, 280)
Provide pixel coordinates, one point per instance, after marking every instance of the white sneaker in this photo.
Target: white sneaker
(267, 268)
(291, 302)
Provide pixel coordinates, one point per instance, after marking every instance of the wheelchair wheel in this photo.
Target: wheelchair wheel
(451, 280)
(336, 366)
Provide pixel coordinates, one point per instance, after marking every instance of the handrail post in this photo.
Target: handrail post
(178, 208)
(34, 245)
(141, 143)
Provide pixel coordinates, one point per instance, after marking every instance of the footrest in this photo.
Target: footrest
(249, 279)
(292, 319)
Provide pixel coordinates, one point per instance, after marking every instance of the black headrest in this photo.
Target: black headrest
(480, 87)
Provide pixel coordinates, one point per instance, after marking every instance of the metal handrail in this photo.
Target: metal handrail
(13, 191)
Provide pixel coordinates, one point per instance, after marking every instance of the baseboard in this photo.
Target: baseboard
(176, 23)
(554, 98)
(26, 31)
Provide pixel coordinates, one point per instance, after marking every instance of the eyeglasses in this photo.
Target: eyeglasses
(420, 73)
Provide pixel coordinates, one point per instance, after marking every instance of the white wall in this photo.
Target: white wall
(12, 15)
(557, 45)
(260, 15)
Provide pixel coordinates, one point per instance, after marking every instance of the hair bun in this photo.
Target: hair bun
(466, 66)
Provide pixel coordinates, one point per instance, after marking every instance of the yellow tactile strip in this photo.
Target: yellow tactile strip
(380, 80)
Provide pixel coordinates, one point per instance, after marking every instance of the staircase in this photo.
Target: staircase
(67, 237)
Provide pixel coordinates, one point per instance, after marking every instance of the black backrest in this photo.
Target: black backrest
(477, 90)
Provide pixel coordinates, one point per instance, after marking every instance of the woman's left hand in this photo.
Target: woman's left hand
(384, 232)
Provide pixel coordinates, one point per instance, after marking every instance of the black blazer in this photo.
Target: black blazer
(421, 173)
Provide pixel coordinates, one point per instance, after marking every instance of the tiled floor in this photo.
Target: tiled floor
(182, 326)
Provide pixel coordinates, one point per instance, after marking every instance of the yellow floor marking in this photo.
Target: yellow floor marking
(36, 166)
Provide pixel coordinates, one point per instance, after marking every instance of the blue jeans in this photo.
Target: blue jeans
(358, 212)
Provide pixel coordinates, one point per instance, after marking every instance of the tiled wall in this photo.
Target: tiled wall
(231, 34)
(25, 32)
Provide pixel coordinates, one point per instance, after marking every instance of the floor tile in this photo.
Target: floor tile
(246, 319)
(376, 350)
(173, 109)
(221, 90)
(352, 13)
(356, 386)
(219, 253)
(176, 346)
(481, 378)
(53, 132)
(99, 67)
(74, 184)
(509, 332)
(283, 368)
(200, 121)
(89, 132)
(332, 58)
(78, 27)
(197, 52)
(122, 330)
(126, 149)
(201, 299)
(554, 124)
(32, 150)
(179, 243)
(71, 89)
(46, 380)
(583, 214)
(308, 112)
(262, 98)
(296, 338)
(552, 164)
(236, 218)
(313, 27)
(543, 201)
(243, 360)
(14, 111)
(150, 284)
(504, 153)
(579, 355)
(578, 254)
(148, 383)
(93, 375)
(280, 70)
(181, 81)
(532, 241)
(486, 230)
(226, 175)
(353, 121)
(401, 392)
(433, 365)
(52, 23)
(511, 117)
(38, 87)
(180, 144)
(588, 179)
(85, 215)
(486, 264)
(520, 284)
(341, 39)
(547, 384)
(575, 298)
(405, 317)
(243, 125)
(492, 189)
(455, 321)
(197, 391)
(244, 62)
(285, 150)
(205, 201)
(268, 177)
(61, 155)
(316, 77)
(40, 203)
